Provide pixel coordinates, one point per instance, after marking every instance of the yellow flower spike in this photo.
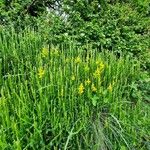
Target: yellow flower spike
(77, 60)
(97, 73)
(110, 87)
(73, 78)
(81, 89)
(102, 65)
(45, 52)
(87, 82)
(93, 88)
(41, 72)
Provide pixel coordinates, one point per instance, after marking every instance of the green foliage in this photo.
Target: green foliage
(115, 29)
(23, 13)
(53, 97)
(76, 76)
(109, 26)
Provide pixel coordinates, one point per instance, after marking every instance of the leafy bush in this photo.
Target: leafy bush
(115, 29)
(113, 26)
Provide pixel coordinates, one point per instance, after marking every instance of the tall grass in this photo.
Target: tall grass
(65, 98)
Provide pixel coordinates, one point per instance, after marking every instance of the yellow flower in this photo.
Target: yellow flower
(45, 52)
(97, 73)
(77, 60)
(81, 89)
(87, 82)
(93, 88)
(102, 65)
(110, 87)
(73, 78)
(41, 72)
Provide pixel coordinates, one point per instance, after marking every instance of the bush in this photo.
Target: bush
(115, 29)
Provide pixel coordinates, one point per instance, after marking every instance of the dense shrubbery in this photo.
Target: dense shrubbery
(120, 27)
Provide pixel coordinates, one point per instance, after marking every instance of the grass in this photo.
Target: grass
(57, 97)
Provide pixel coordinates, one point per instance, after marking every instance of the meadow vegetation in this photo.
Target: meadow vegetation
(78, 84)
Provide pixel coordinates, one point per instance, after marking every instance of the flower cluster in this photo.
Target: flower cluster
(93, 88)
(81, 89)
(77, 60)
(87, 82)
(41, 72)
(85, 67)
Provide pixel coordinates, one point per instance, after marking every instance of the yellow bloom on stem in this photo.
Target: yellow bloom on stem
(87, 82)
(93, 88)
(97, 73)
(81, 89)
(101, 65)
(45, 52)
(77, 60)
(41, 72)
